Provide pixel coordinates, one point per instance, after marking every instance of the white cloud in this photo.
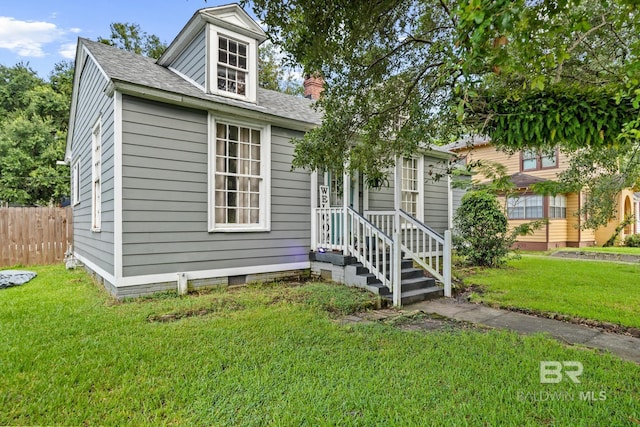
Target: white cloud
(75, 30)
(27, 38)
(68, 50)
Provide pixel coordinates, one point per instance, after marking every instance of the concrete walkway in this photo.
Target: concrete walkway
(626, 347)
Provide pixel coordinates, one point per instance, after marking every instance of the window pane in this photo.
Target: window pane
(237, 196)
(549, 161)
(222, 43)
(529, 164)
(233, 46)
(242, 49)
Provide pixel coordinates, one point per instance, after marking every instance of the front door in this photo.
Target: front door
(334, 181)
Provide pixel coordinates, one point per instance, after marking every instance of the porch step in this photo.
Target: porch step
(416, 283)
(410, 297)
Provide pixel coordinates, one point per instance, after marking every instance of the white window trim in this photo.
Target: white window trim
(76, 184)
(265, 172)
(212, 64)
(523, 199)
(96, 173)
(420, 191)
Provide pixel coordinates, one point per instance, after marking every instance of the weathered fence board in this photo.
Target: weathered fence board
(30, 236)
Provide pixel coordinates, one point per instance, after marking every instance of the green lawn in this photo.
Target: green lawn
(273, 355)
(602, 291)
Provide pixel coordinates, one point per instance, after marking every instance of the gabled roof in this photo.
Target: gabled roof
(522, 180)
(231, 17)
(128, 72)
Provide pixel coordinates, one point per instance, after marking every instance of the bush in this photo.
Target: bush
(481, 229)
(633, 241)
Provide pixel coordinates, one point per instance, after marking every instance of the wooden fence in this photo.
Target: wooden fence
(30, 236)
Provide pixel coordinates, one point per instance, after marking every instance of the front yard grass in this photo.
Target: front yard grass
(602, 291)
(273, 354)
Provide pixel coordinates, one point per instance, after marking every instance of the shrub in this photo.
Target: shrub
(633, 241)
(481, 229)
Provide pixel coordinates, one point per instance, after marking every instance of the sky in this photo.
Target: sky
(44, 32)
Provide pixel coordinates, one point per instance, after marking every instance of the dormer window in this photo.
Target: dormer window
(232, 66)
(217, 51)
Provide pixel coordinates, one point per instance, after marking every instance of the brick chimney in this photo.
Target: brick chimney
(313, 86)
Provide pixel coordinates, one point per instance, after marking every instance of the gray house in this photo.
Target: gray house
(181, 176)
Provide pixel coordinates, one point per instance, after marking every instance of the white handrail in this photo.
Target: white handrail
(419, 242)
(371, 247)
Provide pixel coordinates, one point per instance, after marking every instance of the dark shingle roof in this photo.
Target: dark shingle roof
(522, 180)
(123, 66)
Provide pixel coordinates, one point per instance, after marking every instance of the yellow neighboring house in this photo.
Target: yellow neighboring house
(563, 228)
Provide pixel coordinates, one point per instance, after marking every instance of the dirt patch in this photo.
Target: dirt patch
(215, 307)
(464, 295)
(416, 320)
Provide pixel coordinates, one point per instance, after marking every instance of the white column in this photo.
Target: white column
(346, 195)
(397, 253)
(397, 185)
(446, 263)
(314, 205)
(449, 203)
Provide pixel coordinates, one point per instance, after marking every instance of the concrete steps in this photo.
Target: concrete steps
(415, 285)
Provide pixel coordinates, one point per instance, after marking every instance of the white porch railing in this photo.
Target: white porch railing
(370, 246)
(419, 242)
(377, 240)
(328, 229)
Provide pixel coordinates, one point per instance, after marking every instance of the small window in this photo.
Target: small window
(558, 206)
(96, 177)
(76, 183)
(525, 207)
(534, 160)
(232, 66)
(529, 160)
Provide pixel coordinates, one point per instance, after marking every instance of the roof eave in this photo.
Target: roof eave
(202, 104)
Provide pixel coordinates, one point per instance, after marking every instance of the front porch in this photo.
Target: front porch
(389, 252)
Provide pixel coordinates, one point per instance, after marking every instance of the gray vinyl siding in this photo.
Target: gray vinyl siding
(436, 207)
(165, 196)
(192, 62)
(435, 195)
(91, 104)
(381, 199)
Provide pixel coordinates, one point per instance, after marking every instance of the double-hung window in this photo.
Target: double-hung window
(232, 66)
(96, 176)
(558, 206)
(525, 207)
(412, 187)
(240, 181)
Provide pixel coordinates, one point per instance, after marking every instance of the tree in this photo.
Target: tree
(32, 137)
(130, 37)
(274, 73)
(401, 74)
